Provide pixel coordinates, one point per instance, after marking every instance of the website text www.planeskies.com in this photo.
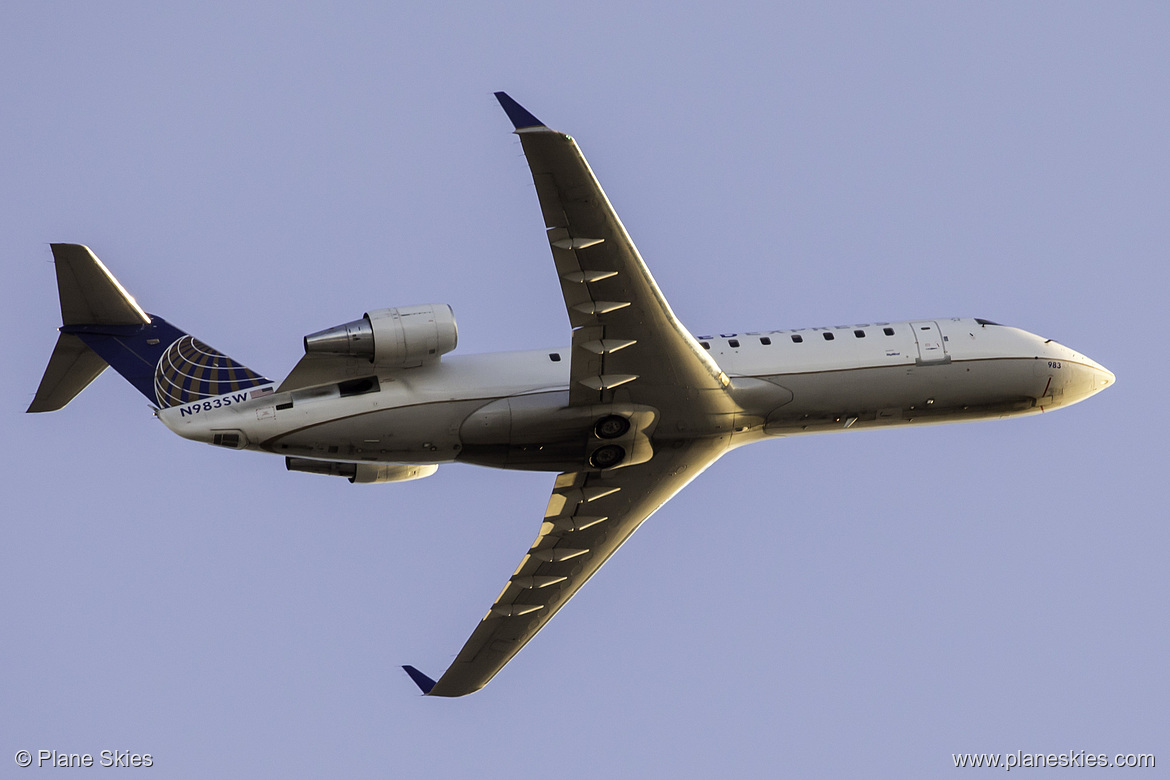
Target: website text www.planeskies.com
(1071, 758)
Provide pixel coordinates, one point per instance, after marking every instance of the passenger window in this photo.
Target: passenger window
(888, 331)
(733, 343)
(859, 334)
(554, 357)
(797, 338)
(765, 340)
(704, 345)
(828, 336)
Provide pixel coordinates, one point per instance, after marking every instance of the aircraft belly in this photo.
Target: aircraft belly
(545, 432)
(421, 433)
(537, 431)
(902, 395)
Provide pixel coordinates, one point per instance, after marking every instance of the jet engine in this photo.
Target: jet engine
(362, 473)
(392, 338)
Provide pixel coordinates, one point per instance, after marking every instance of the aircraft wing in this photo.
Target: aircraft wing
(589, 516)
(628, 347)
(624, 332)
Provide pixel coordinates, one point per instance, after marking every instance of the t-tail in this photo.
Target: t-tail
(102, 325)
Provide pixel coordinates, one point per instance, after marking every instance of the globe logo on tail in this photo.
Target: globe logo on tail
(190, 370)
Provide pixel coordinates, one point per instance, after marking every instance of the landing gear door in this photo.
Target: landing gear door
(931, 347)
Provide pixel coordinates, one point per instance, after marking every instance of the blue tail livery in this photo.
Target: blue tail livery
(102, 325)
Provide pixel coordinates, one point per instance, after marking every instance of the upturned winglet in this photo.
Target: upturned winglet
(520, 116)
(423, 682)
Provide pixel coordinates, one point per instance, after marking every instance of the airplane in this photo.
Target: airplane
(626, 415)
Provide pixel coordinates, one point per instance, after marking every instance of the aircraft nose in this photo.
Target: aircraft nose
(1087, 378)
(1099, 376)
(1105, 377)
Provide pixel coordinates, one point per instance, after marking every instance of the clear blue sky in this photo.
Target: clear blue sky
(855, 605)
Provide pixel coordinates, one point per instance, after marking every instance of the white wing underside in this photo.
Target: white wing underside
(628, 347)
(606, 508)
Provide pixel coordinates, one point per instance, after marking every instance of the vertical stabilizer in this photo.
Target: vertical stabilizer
(90, 295)
(103, 325)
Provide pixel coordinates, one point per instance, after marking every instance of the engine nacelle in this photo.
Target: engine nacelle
(362, 473)
(370, 473)
(392, 338)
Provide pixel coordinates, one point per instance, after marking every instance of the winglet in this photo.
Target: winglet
(423, 682)
(519, 115)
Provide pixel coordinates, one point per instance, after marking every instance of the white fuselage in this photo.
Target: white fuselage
(511, 409)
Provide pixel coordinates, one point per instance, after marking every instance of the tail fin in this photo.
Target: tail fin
(102, 325)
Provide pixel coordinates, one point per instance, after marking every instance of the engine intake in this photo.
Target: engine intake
(394, 338)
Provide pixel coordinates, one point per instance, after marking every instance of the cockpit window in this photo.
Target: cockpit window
(986, 322)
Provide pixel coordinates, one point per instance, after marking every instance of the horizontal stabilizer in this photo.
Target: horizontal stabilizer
(71, 368)
(423, 682)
